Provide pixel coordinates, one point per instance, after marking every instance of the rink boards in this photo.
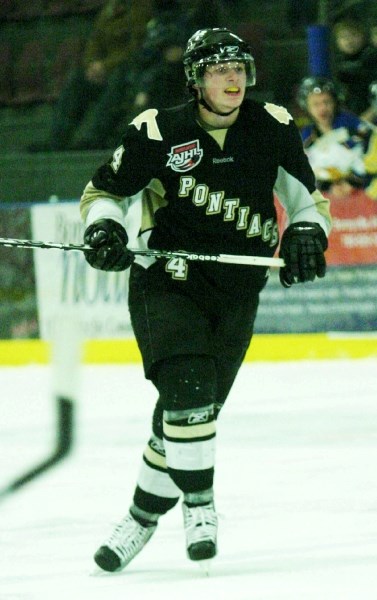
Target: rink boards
(264, 347)
(43, 290)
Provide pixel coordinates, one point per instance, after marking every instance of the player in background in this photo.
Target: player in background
(205, 174)
(370, 158)
(336, 139)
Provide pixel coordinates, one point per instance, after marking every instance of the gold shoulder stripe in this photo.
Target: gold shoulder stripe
(278, 112)
(148, 117)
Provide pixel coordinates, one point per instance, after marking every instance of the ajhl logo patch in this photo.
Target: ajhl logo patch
(185, 156)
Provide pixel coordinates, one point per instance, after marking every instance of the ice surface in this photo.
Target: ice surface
(296, 488)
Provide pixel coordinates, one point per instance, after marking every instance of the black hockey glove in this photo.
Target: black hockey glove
(109, 242)
(302, 247)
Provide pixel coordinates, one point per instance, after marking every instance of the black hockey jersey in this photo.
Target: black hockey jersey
(205, 192)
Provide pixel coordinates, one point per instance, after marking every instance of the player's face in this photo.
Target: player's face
(321, 107)
(350, 41)
(224, 85)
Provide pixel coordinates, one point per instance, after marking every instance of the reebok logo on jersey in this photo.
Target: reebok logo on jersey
(227, 159)
(157, 446)
(185, 157)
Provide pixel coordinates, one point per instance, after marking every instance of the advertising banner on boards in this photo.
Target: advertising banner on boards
(346, 299)
(66, 284)
(40, 287)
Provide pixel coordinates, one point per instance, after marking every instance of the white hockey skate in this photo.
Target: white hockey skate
(127, 540)
(201, 531)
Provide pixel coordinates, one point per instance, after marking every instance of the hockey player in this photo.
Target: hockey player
(336, 139)
(207, 171)
(370, 158)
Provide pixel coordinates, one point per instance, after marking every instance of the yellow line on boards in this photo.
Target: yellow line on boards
(310, 346)
(266, 347)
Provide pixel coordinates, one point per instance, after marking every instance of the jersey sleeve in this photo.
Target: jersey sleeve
(132, 166)
(295, 182)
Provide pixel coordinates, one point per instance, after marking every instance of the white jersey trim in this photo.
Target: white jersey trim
(299, 203)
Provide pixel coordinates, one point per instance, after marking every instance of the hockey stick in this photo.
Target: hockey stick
(63, 446)
(66, 345)
(262, 261)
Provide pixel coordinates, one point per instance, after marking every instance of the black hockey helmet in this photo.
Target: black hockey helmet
(216, 45)
(373, 94)
(316, 85)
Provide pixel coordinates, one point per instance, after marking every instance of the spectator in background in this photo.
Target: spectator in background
(301, 13)
(370, 158)
(161, 81)
(335, 140)
(373, 36)
(373, 102)
(356, 63)
(203, 14)
(103, 80)
(370, 114)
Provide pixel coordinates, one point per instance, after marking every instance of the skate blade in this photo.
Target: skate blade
(205, 566)
(97, 572)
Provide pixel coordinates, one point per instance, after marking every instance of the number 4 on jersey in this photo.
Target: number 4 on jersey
(117, 159)
(177, 267)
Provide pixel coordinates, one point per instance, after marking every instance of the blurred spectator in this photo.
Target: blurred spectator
(373, 101)
(301, 13)
(343, 9)
(370, 159)
(201, 15)
(161, 81)
(335, 141)
(104, 78)
(370, 114)
(373, 36)
(356, 63)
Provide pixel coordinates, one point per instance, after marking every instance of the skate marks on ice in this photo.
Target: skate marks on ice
(296, 489)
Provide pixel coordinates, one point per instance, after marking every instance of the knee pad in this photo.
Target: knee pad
(186, 382)
(157, 419)
(187, 386)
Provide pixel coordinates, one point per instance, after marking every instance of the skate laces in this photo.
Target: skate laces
(129, 537)
(200, 523)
